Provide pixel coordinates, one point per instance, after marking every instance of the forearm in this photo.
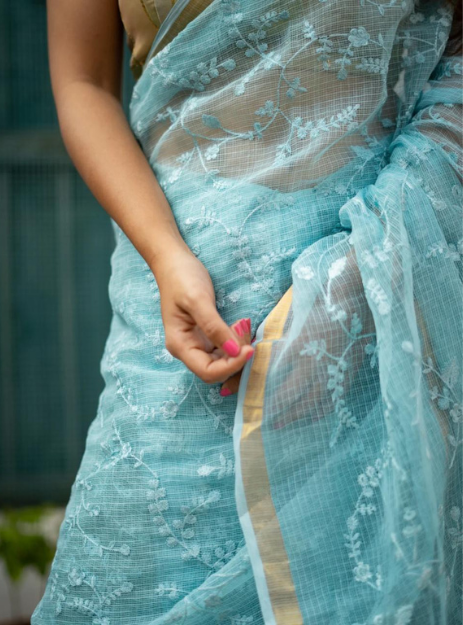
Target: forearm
(107, 155)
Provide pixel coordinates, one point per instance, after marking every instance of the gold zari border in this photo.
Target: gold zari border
(255, 477)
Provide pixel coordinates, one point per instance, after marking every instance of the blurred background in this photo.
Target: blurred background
(55, 247)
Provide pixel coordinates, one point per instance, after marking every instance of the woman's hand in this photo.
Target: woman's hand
(243, 328)
(195, 333)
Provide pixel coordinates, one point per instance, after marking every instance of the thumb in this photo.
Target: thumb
(214, 327)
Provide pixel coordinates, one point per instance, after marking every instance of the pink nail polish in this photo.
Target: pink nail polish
(239, 329)
(249, 355)
(248, 322)
(231, 348)
(225, 392)
(244, 326)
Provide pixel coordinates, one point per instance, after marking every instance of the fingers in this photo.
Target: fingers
(247, 332)
(243, 328)
(200, 353)
(212, 369)
(230, 387)
(214, 327)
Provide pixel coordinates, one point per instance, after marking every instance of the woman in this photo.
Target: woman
(297, 164)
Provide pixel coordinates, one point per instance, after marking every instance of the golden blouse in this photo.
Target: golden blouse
(142, 19)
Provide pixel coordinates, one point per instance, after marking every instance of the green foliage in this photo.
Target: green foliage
(21, 542)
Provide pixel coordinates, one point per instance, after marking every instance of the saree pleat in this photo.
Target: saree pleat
(311, 153)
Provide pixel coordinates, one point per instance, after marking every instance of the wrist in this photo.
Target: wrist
(165, 254)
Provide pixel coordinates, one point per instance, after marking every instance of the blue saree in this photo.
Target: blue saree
(311, 154)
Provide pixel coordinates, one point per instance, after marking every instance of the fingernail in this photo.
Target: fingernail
(225, 392)
(248, 321)
(231, 348)
(239, 329)
(249, 355)
(244, 326)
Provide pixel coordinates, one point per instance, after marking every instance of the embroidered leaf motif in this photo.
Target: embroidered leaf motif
(379, 297)
(211, 121)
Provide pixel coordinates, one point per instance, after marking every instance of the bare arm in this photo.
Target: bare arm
(85, 49)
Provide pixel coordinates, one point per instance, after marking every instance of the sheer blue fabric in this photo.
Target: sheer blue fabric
(311, 154)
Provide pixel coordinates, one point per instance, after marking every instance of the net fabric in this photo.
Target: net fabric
(309, 149)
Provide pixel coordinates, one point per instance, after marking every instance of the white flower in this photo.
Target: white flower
(306, 273)
(362, 572)
(76, 577)
(409, 514)
(214, 396)
(205, 470)
(124, 550)
(362, 479)
(415, 18)
(212, 152)
(169, 409)
(337, 267)
(359, 37)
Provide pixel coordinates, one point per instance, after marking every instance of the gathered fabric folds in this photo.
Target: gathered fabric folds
(311, 153)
